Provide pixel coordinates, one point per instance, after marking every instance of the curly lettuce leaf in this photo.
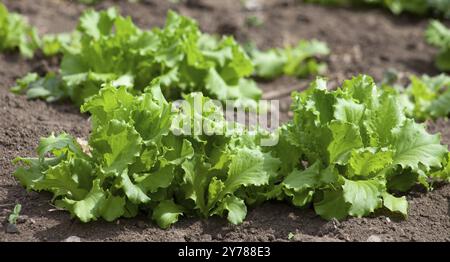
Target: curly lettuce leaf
(107, 48)
(439, 35)
(345, 153)
(363, 134)
(298, 61)
(136, 161)
(16, 33)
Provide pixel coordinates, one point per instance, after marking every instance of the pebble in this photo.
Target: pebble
(206, 237)
(336, 223)
(347, 58)
(12, 229)
(72, 239)
(22, 219)
(252, 5)
(374, 238)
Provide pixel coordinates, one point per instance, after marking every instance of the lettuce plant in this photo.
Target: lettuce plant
(16, 33)
(135, 161)
(109, 48)
(359, 147)
(347, 152)
(439, 35)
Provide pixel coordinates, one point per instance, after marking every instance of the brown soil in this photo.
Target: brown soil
(362, 41)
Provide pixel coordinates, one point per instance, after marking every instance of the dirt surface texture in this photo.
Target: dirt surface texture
(362, 41)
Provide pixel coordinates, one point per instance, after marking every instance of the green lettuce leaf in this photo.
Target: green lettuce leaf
(298, 61)
(334, 155)
(371, 148)
(16, 33)
(109, 48)
(439, 35)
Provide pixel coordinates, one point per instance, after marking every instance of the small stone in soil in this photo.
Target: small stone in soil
(252, 5)
(374, 238)
(72, 239)
(22, 219)
(335, 222)
(5, 212)
(12, 229)
(206, 237)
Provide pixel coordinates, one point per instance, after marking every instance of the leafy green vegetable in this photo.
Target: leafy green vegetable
(426, 97)
(109, 48)
(12, 219)
(166, 213)
(253, 21)
(49, 87)
(344, 152)
(418, 7)
(15, 32)
(137, 159)
(296, 61)
(53, 44)
(439, 35)
(360, 146)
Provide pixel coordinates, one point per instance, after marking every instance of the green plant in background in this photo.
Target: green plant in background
(109, 48)
(54, 44)
(430, 96)
(254, 21)
(424, 98)
(439, 35)
(15, 32)
(298, 61)
(419, 7)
